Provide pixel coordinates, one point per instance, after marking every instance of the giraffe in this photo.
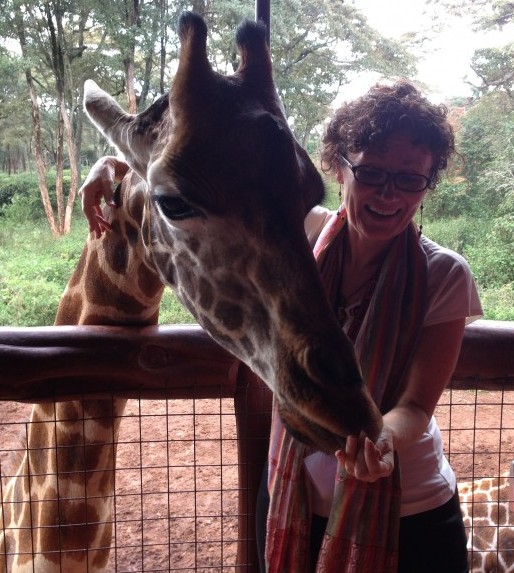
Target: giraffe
(213, 206)
(57, 509)
(228, 188)
(488, 511)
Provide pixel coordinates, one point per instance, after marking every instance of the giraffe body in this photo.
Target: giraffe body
(214, 207)
(58, 508)
(488, 512)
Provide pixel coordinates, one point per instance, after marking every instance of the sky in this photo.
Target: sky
(445, 68)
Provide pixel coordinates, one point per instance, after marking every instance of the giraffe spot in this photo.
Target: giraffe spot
(117, 256)
(77, 529)
(266, 278)
(262, 367)
(149, 283)
(259, 318)
(193, 244)
(164, 263)
(70, 309)
(106, 293)
(83, 461)
(230, 315)
(247, 346)
(101, 557)
(186, 278)
(232, 288)
(132, 233)
(206, 293)
(24, 540)
(222, 339)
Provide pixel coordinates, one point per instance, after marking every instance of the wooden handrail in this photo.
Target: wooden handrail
(179, 361)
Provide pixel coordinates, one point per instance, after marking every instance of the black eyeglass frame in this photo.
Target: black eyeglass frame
(388, 176)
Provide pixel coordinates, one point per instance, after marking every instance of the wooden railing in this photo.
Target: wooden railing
(165, 362)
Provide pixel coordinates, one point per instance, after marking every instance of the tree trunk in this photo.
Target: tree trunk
(133, 20)
(41, 166)
(68, 130)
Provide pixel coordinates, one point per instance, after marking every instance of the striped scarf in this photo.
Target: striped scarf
(362, 530)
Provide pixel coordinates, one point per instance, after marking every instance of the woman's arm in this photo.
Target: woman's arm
(99, 184)
(429, 374)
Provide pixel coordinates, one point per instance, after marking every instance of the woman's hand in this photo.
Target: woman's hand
(99, 184)
(365, 460)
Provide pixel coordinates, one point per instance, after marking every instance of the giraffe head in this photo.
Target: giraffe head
(228, 188)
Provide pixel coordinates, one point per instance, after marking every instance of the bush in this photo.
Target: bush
(449, 200)
(456, 233)
(34, 269)
(492, 263)
(20, 198)
(498, 303)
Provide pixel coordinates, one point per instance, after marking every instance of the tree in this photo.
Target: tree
(40, 31)
(316, 47)
(129, 48)
(494, 66)
(485, 140)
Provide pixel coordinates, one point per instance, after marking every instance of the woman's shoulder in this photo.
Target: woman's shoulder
(452, 292)
(442, 258)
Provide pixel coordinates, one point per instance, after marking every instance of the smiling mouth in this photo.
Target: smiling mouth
(381, 212)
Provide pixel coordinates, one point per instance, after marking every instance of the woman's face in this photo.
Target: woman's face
(381, 213)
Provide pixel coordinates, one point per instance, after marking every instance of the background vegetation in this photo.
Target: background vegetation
(48, 48)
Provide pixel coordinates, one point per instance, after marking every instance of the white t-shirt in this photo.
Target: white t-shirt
(428, 481)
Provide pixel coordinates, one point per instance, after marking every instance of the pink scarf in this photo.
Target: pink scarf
(362, 530)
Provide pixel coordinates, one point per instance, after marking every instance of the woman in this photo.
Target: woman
(404, 301)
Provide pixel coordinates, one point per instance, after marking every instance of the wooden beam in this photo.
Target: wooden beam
(69, 362)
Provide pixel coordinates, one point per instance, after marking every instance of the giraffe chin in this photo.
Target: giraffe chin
(316, 436)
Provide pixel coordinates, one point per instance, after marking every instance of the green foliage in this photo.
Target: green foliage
(454, 233)
(171, 310)
(20, 199)
(498, 303)
(485, 243)
(450, 199)
(486, 142)
(34, 269)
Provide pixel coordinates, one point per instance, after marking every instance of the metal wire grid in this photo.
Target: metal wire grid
(478, 433)
(176, 480)
(176, 484)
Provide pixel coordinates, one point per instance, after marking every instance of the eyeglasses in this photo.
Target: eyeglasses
(376, 177)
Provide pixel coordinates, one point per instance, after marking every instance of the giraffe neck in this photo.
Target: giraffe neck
(487, 510)
(58, 508)
(511, 491)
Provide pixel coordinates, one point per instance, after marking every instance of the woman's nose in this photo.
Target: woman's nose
(388, 188)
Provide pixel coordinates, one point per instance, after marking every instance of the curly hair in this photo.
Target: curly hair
(372, 118)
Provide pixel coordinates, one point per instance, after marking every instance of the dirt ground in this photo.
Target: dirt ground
(176, 504)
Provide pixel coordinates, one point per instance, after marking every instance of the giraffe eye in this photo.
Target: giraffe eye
(175, 208)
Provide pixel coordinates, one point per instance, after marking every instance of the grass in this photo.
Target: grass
(34, 267)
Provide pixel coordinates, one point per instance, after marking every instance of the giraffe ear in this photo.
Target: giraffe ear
(122, 129)
(103, 110)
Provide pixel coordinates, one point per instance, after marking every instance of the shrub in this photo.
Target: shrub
(34, 269)
(20, 198)
(498, 303)
(456, 233)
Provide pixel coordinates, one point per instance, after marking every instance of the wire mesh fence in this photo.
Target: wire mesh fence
(478, 431)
